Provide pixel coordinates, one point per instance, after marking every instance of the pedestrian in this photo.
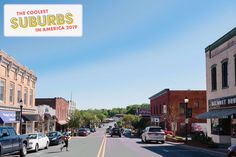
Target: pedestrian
(66, 138)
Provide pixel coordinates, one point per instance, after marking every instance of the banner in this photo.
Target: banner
(43, 20)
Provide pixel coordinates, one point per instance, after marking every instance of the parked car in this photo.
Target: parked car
(11, 143)
(169, 132)
(83, 132)
(153, 133)
(55, 137)
(116, 131)
(127, 132)
(88, 130)
(38, 141)
(231, 151)
(92, 129)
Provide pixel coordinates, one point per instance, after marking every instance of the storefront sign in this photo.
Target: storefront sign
(222, 102)
(143, 112)
(43, 20)
(8, 116)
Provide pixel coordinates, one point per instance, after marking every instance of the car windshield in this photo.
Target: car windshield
(115, 129)
(82, 129)
(155, 130)
(52, 134)
(32, 136)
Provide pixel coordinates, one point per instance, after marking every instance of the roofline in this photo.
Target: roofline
(159, 93)
(221, 40)
(168, 90)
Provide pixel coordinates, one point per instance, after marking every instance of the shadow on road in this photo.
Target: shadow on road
(53, 152)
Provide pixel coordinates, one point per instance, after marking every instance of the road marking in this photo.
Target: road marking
(100, 149)
(104, 147)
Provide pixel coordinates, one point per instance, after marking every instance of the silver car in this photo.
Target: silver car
(153, 133)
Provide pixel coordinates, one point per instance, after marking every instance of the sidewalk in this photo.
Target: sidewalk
(221, 148)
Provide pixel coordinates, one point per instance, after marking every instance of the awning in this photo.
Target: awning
(217, 113)
(62, 122)
(7, 117)
(30, 117)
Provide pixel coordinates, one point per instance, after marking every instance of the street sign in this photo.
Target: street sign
(189, 113)
(17, 115)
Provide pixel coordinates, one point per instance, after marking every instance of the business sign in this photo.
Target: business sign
(7, 116)
(143, 112)
(43, 20)
(222, 102)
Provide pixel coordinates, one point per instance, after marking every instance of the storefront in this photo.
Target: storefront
(222, 119)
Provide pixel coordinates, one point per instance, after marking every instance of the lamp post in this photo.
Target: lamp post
(186, 100)
(21, 107)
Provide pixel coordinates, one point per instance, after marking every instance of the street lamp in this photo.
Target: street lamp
(21, 107)
(186, 100)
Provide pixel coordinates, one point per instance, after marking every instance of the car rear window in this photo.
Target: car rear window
(155, 130)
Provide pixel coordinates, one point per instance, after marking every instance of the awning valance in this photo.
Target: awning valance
(217, 113)
(30, 117)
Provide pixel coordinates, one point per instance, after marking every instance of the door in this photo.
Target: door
(15, 139)
(6, 141)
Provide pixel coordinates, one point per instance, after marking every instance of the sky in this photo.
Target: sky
(129, 51)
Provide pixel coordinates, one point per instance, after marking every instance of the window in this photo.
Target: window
(224, 70)
(182, 108)
(220, 126)
(235, 68)
(19, 94)
(2, 89)
(11, 93)
(31, 97)
(213, 78)
(26, 96)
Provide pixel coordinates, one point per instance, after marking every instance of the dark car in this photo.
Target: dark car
(116, 131)
(11, 143)
(55, 137)
(83, 132)
(92, 129)
(232, 151)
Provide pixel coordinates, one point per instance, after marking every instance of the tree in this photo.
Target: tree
(171, 116)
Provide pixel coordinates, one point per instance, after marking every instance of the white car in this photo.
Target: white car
(153, 133)
(38, 141)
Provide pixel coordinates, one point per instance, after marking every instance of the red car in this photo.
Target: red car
(168, 132)
(83, 132)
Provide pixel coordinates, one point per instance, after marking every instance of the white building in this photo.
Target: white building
(221, 89)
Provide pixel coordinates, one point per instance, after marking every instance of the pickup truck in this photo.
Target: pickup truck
(11, 143)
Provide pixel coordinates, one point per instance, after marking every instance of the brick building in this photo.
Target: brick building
(61, 106)
(169, 108)
(17, 87)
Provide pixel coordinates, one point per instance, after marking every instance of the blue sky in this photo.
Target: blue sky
(129, 51)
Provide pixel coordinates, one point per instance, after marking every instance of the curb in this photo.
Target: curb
(199, 148)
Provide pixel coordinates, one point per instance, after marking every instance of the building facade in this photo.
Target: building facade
(17, 86)
(168, 109)
(221, 89)
(61, 107)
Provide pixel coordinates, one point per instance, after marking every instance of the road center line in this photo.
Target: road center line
(100, 149)
(104, 147)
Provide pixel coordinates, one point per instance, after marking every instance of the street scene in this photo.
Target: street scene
(125, 78)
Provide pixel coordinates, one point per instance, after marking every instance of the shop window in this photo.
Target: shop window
(213, 78)
(224, 69)
(220, 126)
(2, 89)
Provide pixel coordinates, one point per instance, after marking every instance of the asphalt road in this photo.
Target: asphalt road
(100, 145)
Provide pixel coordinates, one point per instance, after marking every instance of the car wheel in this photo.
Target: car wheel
(111, 135)
(47, 145)
(162, 142)
(23, 151)
(36, 148)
